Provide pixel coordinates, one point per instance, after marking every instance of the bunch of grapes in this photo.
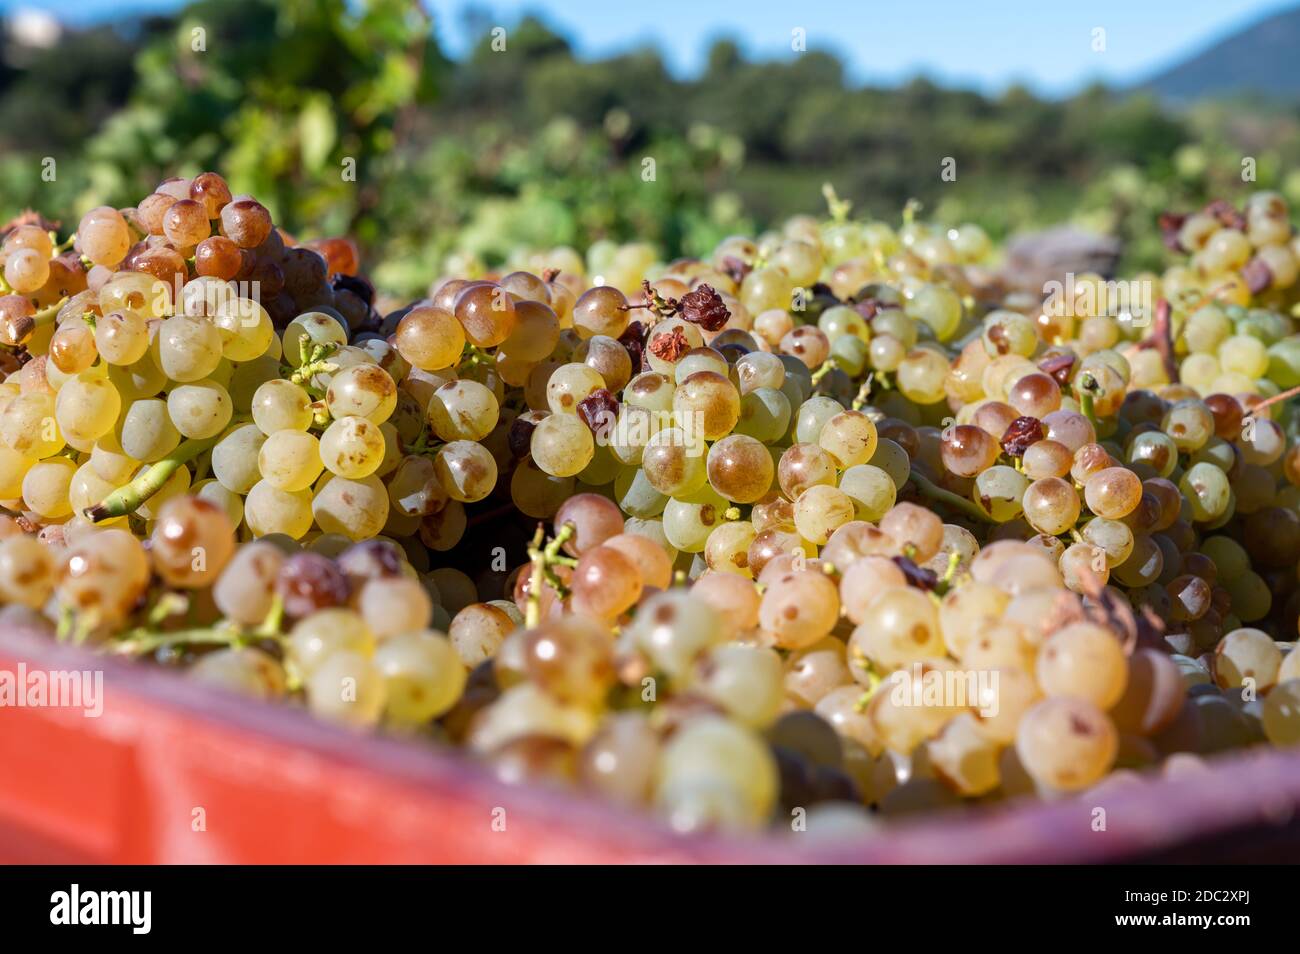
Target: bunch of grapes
(829, 523)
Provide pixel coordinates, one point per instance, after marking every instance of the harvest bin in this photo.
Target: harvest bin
(263, 783)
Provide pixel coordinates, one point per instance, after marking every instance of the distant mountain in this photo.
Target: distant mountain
(1259, 59)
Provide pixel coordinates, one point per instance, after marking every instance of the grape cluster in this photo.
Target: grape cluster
(827, 524)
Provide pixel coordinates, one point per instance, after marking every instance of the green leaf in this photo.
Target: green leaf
(317, 133)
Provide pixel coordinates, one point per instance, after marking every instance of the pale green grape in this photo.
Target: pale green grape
(87, 407)
(463, 411)
(234, 458)
(349, 688)
(760, 369)
(199, 410)
(423, 676)
(212, 491)
(688, 522)
(243, 328)
(187, 348)
(46, 485)
(849, 437)
(939, 307)
(466, 471)
(562, 445)
(13, 467)
(121, 337)
(1245, 355)
(635, 495)
(569, 385)
(290, 460)
(357, 509)
(921, 376)
(872, 490)
(1207, 490)
(764, 415)
(280, 405)
(538, 494)
(999, 492)
(820, 511)
(146, 432)
(351, 447)
(29, 425)
(363, 390)
(812, 417)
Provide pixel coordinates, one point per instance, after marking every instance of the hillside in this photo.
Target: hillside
(1259, 59)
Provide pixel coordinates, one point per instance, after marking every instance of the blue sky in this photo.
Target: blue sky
(986, 44)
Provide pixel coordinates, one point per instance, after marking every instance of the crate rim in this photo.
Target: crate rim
(1240, 791)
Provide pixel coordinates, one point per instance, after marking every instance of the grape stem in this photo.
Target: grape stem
(425, 447)
(201, 467)
(314, 361)
(1085, 405)
(825, 368)
(1162, 339)
(1086, 386)
(67, 621)
(129, 499)
(144, 641)
(476, 355)
(837, 207)
(1275, 399)
(543, 559)
(947, 497)
(320, 414)
(664, 307)
(148, 639)
(168, 604)
(945, 581)
(46, 316)
(270, 626)
(864, 392)
(874, 679)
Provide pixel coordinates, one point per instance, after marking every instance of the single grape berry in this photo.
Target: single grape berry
(1022, 433)
(309, 582)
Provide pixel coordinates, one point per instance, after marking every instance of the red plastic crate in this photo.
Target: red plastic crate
(276, 786)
